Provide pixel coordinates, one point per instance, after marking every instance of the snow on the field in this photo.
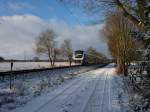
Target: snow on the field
(94, 91)
(5, 66)
(29, 86)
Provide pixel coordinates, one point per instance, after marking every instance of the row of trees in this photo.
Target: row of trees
(137, 11)
(126, 16)
(120, 42)
(94, 53)
(129, 16)
(1, 58)
(46, 44)
(94, 56)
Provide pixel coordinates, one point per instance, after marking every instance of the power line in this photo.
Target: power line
(70, 12)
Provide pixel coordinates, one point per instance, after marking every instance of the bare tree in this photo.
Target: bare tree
(121, 45)
(46, 44)
(137, 11)
(94, 55)
(1, 59)
(67, 50)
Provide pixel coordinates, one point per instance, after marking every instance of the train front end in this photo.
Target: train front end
(78, 57)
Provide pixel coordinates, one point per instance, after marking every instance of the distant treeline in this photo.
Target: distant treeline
(60, 60)
(2, 59)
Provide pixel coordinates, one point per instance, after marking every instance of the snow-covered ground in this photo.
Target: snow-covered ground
(98, 90)
(31, 85)
(5, 66)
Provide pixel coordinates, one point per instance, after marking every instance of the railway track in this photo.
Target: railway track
(6, 73)
(35, 70)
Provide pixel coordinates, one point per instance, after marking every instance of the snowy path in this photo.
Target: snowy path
(95, 91)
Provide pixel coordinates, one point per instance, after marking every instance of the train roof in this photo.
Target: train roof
(79, 50)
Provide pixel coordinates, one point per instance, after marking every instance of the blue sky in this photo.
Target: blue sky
(46, 9)
(21, 22)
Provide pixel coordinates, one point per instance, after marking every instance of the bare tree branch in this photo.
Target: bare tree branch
(67, 50)
(126, 13)
(46, 44)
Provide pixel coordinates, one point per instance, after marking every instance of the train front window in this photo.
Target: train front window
(78, 54)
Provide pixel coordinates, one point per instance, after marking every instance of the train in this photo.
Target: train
(84, 58)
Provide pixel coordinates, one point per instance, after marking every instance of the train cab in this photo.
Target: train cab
(78, 56)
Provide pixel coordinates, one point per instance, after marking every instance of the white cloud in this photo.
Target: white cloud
(18, 33)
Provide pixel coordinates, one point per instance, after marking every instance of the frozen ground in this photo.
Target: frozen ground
(94, 91)
(28, 86)
(5, 66)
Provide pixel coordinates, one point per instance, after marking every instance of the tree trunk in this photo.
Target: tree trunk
(51, 62)
(120, 66)
(70, 62)
(125, 69)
